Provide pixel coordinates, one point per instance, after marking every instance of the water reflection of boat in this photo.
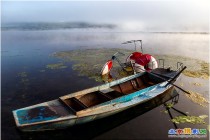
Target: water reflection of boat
(95, 103)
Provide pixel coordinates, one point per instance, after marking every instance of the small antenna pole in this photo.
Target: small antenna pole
(135, 44)
(141, 46)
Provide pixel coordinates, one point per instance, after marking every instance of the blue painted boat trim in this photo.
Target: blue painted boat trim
(25, 117)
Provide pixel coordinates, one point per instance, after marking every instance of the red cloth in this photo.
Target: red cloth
(135, 55)
(143, 60)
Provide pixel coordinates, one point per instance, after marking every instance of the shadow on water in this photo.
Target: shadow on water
(97, 127)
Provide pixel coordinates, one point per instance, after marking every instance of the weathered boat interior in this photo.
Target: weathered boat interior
(81, 102)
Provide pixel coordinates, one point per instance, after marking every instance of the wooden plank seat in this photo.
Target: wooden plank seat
(112, 93)
(132, 85)
(91, 99)
(79, 103)
(73, 104)
(126, 87)
(94, 98)
(106, 95)
(115, 94)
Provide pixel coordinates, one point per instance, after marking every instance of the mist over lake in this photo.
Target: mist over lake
(77, 34)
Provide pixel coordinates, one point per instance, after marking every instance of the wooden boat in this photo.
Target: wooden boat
(94, 103)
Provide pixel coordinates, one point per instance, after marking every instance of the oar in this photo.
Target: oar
(169, 82)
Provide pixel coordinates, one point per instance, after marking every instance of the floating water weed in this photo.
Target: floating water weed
(56, 66)
(89, 62)
(197, 98)
(190, 119)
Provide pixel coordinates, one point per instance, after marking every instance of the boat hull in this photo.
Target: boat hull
(67, 123)
(61, 124)
(58, 114)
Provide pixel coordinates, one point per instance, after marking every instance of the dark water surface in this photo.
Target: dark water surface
(25, 80)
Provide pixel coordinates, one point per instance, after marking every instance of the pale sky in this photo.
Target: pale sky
(161, 15)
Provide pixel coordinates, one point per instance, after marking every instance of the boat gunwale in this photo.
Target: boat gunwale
(101, 87)
(92, 89)
(79, 117)
(72, 116)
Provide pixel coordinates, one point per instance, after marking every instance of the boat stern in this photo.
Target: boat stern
(41, 117)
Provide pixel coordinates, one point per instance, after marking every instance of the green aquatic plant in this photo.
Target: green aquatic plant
(181, 84)
(24, 78)
(195, 68)
(41, 70)
(169, 105)
(24, 82)
(22, 74)
(197, 98)
(190, 119)
(196, 74)
(89, 62)
(90, 65)
(203, 72)
(196, 84)
(166, 111)
(56, 66)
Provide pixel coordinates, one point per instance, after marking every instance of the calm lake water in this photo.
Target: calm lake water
(26, 81)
